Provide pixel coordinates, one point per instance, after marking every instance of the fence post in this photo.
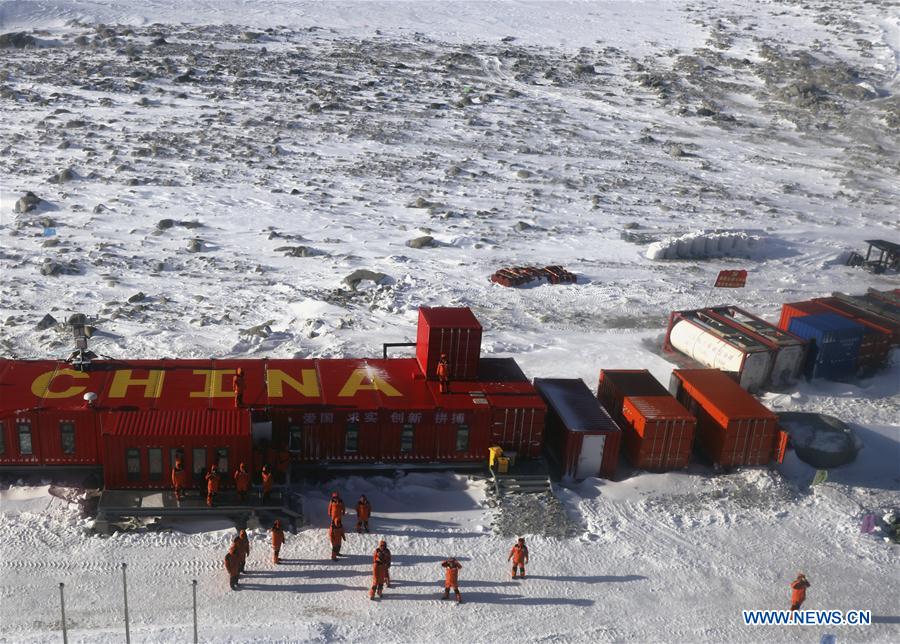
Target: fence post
(194, 585)
(125, 595)
(62, 605)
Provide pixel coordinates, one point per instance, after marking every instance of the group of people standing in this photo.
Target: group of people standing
(235, 560)
(181, 481)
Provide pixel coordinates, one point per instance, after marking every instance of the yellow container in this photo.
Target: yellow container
(502, 465)
(493, 454)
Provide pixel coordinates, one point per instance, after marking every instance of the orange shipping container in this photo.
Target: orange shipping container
(616, 384)
(659, 433)
(733, 428)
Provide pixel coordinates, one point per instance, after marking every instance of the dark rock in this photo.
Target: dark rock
(426, 241)
(28, 203)
(263, 330)
(17, 40)
(585, 69)
(63, 176)
(524, 174)
(99, 208)
(165, 224)
(195, 246)
(46, 322)
(298, 251)
(523, 226)
(190, 225)
(362, 274)
(158, 42)
(420, 202)
(137, 297)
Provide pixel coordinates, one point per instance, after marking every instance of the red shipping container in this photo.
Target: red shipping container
(69, 437)
(517, 415)
(733, 428)
(659, 432)
(139, 446)
(462, 422)
(615, 384)
(580, 435)
(452, 331)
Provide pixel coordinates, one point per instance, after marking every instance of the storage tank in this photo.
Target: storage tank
(734, 352)
(790, 351)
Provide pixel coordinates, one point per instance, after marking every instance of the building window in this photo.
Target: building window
(133, 464)
(67, 436)
(222, 459)
(351, 438)
(24, 429)
(462, 438)
(2, 437)
(406, 438)
(296, 434)
(154, 464)
(199, 464)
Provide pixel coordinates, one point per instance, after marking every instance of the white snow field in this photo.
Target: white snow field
(211, 172)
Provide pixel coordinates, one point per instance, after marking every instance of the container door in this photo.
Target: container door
(591, 456)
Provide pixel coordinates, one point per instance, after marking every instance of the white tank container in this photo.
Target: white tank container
(788, 362)
(710, 350)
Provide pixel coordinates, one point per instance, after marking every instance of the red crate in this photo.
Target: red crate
(453, 331)
(733, 428)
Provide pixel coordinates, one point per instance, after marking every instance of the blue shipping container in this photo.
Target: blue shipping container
(834, 344)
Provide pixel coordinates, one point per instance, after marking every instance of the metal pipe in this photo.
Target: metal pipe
(125, 595)
(62, 605)
(194, 588)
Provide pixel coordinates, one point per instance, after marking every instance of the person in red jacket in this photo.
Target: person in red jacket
(277, 541)
(384, 554)
(443, 374)
(451, 578)
(267, 482)
(336, 509)
(212, 485)
(378, 575)
(336, 536)
(180, 476)
(245, 548)
(242, 482)
(519, 557)
(237, 386)
(363, 512)
(798, 591)
(232, 565)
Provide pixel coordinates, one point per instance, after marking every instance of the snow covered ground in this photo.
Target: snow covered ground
(211, 172)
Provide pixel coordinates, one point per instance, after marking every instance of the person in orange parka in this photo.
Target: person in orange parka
(798, 591)
(363, 512)
(519, 557)
(382, 552)
(451, 578)
(443, 374)
(379, 569)
(277, 541)
(181, 478)
(336, 536)
(232, 566)
(245, 548)
(266, 482)
(336, 509)
(237, 385)
(237, 551)
(242, 482)
(212, 484)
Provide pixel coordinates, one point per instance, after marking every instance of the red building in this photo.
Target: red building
(291, 411)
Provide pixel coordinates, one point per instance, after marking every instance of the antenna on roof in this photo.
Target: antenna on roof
(81, 357)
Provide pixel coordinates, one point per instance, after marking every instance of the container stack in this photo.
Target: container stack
(657, 431)
(733, 428)
(875, 345)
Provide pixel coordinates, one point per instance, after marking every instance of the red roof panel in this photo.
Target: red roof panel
(155, 422)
